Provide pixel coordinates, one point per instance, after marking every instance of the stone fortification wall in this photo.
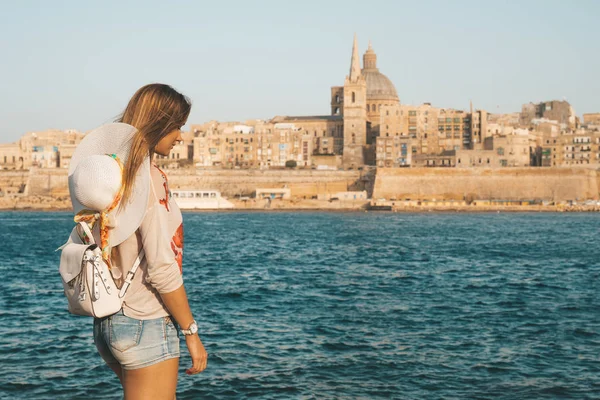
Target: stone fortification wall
(48, 182)
(53, 182)
(303, 183)
(12, 181)
(550, 184)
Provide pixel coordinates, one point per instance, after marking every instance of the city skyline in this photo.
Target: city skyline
(69, 70)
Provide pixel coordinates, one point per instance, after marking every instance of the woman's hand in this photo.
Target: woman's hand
(198, 354)
(179, 307)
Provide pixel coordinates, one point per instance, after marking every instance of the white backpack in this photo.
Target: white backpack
(87, 281)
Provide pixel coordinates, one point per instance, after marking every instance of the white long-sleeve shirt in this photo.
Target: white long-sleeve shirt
(161, 235)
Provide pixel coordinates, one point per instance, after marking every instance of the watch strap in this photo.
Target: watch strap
(189, 331)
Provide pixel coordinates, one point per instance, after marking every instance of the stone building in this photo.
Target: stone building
(360, 101)
(509, 119)
(502, 150)
(268, 144)
(395, 151)
(11, 156)
(580, 148)
(380, 93)
(592, 121)
(446, 158)
(555, 110)
(46, 149)
(454, 129)
(355, 114)
(479, 129)
(591, 118)
(431, 130)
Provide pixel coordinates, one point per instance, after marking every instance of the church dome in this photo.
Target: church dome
(379, 86)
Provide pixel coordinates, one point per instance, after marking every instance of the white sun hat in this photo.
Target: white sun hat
(95, 179)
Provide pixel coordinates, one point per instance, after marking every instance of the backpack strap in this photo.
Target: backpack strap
(86, 234)
(131, 273)
(88, 238)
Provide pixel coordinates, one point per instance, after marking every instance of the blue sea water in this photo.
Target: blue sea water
(336, 305)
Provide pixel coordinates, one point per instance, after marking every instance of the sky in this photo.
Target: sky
(74, 64)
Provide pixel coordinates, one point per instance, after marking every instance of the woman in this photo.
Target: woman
(140, 343)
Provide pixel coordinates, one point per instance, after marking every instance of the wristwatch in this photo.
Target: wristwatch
(192, 330)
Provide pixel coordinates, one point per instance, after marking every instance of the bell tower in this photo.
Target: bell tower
(355, 114)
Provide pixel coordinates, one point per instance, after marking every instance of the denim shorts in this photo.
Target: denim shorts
(135, 343)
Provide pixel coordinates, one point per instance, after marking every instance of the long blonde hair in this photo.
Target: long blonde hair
(154, 110)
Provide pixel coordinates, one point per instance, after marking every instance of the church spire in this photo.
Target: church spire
(355, 62)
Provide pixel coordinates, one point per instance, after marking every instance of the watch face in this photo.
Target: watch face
(194, 328)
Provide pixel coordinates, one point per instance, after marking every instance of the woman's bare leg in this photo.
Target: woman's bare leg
(156, 382)
(117, 370)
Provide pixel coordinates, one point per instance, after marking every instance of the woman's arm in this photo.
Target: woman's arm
(179, 307)
(164, 275)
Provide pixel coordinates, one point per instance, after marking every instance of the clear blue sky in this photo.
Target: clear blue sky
(74, 64)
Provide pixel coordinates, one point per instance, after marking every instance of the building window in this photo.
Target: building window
(353, 97)
(367, 108)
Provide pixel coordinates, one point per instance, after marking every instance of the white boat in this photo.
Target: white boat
(200, 200)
